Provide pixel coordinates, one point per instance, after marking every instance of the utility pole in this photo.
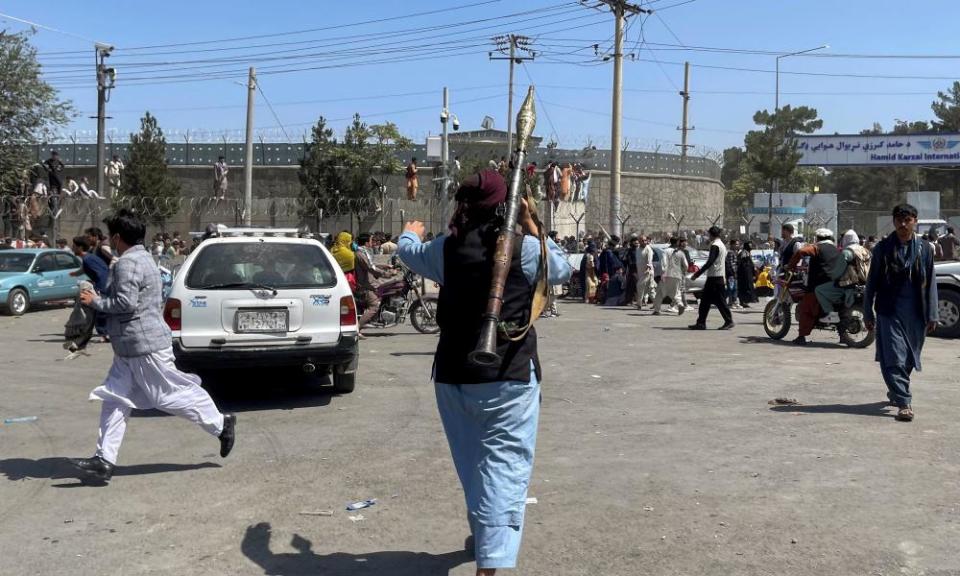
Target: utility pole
(248, 158)
(684, 128)
(620, 10)
(106, 78)
(515, 42)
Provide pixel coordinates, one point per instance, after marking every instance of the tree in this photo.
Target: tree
(320, 181)
(367, 156)
(29, 108)
(146, 177)
(947, 110)
(772, 152)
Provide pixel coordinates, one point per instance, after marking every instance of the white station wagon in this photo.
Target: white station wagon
(261, 297)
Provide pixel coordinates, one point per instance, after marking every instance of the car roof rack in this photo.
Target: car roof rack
(225, 232)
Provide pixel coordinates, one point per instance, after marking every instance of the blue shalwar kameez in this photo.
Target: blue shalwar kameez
(901, 326)
(491, 427)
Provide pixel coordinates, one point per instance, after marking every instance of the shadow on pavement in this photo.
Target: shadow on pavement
(244, 391)
(870, 409)
(785, 342)
(256, 547)
(60, 468)
(430, 353)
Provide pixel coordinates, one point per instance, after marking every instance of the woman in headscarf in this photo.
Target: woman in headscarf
(746, 276)
(343, 252)
(344, 255)
(489, 413)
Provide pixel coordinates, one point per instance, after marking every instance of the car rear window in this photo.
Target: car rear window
(15, 262)
(275, 265)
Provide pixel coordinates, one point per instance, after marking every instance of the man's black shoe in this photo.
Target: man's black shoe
(96, 467)
(800, 341)
(697, 327)
(727, 325)
(228, 436)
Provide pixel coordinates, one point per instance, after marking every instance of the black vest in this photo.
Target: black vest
(467, 272)
(821, 265)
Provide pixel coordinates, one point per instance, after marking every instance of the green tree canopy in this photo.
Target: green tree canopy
(29, 107)
(772, 152)
(320, 181)
(346, 176)
(146, 177)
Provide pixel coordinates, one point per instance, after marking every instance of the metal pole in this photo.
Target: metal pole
(445, 155)
(686, 101)
(513, 46)
(101, 118)
(248, 159)
(615, 128)
(776, 183)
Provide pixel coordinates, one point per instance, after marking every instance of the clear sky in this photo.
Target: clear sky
(320, 58)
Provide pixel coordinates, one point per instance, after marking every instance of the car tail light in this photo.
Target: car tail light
(348, 311)
(171, 313)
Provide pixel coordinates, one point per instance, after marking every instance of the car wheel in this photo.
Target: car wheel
(949, 308)
(343, 383)
(18, 302)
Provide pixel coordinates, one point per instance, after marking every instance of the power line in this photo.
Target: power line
(411, 36)
(389, 48)
(50, 29)
(305, 31)
(272, 111)
(536, 94)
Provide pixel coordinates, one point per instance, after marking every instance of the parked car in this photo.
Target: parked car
(32, 276)
(948, 290)
(264, 297)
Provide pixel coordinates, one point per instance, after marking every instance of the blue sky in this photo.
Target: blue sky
(410, 59)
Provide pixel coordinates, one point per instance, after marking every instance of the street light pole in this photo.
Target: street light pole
(776, 109)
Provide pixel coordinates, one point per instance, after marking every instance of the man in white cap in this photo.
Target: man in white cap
(849, 271)
(823, 256)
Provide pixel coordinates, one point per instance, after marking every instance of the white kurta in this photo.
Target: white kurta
(146, 382)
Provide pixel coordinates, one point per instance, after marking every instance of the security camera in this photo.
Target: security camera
(456, 123)
(443, 116)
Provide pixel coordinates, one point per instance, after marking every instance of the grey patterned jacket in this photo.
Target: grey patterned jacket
(133, 305)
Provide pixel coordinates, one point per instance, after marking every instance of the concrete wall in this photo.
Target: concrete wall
(647, 199)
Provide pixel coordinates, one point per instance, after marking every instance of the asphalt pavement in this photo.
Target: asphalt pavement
(658, 454)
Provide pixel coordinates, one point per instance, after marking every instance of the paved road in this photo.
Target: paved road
(658, 454)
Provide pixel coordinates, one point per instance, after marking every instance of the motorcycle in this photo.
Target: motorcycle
(777, 316)
(401, 297)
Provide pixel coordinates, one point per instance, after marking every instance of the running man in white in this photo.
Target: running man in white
(143, 374)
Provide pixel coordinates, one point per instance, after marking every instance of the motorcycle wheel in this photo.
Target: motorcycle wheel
(776, 319)
(859, 337)
(420, 317)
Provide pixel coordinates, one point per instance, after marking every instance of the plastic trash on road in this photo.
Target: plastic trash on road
(362, 504)
(20, 419)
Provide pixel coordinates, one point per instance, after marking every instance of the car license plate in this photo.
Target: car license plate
(262, 321)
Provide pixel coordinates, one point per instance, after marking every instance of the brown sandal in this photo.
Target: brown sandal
(905, 414)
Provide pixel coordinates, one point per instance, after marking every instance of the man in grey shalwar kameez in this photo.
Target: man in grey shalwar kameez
(902, 288)
(143, 374)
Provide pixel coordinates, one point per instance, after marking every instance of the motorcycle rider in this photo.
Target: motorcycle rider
(850, 271)
(823, 257)
(366, 291)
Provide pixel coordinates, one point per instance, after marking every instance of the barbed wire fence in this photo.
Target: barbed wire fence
(26, 217)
